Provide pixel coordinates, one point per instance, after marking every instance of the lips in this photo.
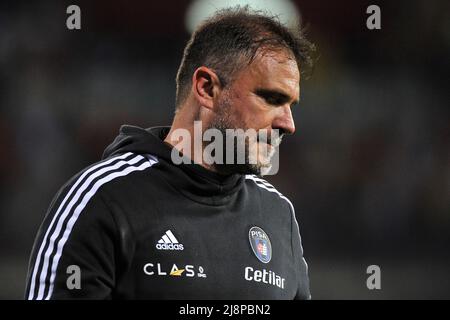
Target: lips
(268, 140)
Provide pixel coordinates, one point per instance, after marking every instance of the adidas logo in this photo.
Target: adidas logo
(169, 242)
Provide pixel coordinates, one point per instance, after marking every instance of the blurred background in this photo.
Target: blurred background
(368, 169)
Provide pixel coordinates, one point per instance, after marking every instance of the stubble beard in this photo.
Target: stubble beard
(224, 120)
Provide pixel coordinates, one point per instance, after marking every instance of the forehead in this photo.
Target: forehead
(271, 70)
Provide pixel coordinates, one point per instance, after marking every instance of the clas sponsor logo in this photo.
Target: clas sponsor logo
(264, 276)
(188, 270)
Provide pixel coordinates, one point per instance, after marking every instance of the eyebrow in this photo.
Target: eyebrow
(275, 94)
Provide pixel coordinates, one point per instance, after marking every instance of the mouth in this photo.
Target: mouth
(272, 145)
(273, 142)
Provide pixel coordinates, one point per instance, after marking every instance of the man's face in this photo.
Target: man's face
(260, 98)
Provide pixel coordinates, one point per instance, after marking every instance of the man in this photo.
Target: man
(137, 225)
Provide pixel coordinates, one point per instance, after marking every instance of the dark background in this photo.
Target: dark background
(368, 169)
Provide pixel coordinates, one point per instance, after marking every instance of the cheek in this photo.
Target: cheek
(260, 117)
(240, 111)
(249, 111)
(254, 111)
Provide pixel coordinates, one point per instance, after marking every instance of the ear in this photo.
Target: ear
(205, 86)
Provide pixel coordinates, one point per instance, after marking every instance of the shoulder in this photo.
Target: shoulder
(268, 190)
(114, 169)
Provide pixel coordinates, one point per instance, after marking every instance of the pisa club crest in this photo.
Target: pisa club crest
(260, 243)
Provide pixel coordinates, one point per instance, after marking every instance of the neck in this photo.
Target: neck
(186, 135)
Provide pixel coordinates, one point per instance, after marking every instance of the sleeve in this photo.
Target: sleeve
(73, 254)
(303, 291)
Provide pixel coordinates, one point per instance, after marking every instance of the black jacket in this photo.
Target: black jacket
(136, 226)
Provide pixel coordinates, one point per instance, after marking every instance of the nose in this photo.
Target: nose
(284, 121)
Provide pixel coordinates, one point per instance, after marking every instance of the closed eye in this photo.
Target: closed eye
(274, 98)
